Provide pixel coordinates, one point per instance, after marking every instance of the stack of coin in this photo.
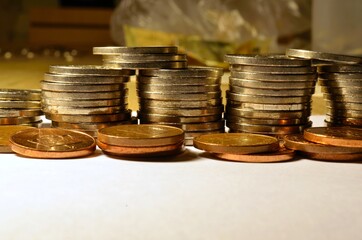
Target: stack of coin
(20, 107)
(328, 143)
(341, 79)
(269, 94)
(141, 140)
(186, 98)
(141, 57)
(85, 98)
(244, 147)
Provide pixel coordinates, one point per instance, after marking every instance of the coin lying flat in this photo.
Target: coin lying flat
(89, 69)
(266, 99)
(274, 77)
(116, 50)
(266, 121)
(20, 94)
(146, 135)
(267, 114)
(177, 119)
(146, 65)
(341, 68)
(179, 96)
(192, 112)
(82, 95)
(179, 89)
(191, 71)
(266, 60)
(19, 120)
(85, 79)
(52, 143)
(277, 129)
(336, 136)
(83, 110)
(297, 142)
(5, 133)
(180, 104)
(272, 69)
(95, 118)
(72, 87)
(307, 54)
(145, 57)
(270, 84)
(20, 112)
(272, 92)
(189, 81)
(278, 156)
(236, 143)
(333, 157)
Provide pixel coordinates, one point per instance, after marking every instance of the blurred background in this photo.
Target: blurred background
(37, 33)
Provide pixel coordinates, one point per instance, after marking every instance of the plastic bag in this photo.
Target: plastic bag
(208, 29)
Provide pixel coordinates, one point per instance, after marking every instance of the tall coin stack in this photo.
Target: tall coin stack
(20, 107)
(85, 98)
(186, 98)
(269, 94)
(340, 77)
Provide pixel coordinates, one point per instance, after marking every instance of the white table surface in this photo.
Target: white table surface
(190, 197)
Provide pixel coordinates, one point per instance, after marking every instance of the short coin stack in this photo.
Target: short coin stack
(269, 94)
(85, 98)
(141, 57)
(186, 98)
(141, 140)
(243, 147)
(328, 143)
(20, 107)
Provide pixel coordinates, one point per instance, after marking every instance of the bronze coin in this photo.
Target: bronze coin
(297, 142)
(279, 156)
(52, 143)
(141, 151)
(336, 136)
(144, 135)
(236, 143)
(333, 157)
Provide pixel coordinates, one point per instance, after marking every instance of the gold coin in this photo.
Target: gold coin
(95, 118)
(179, 96)
(116, 50)
(276, 129)
(146, 135)
(177, 89)
(191, 71)
(336, 136)
(5, 133)
(344, 105)
(189, 81)
(342, 98)
(270, 107)
(344, 113)
(298, 143)
(87, 126)
(355, 91)
(195, 127)
(266, 99)
(18, 120)
(341, 68)
(20, 112)
(341, 76)
(307, 54)
(145, 57)
(272, 92)
(274, 77)
(356, 122)
(89, 69)
(192, 112)
(271, 85)
(52, 143)
(145, 117)
(82, 95)
(236, 143)
(278, 156)
(272, 69)
(333, 157)
(146, 65)
(266, 60)
(84, 110)
(19, 104)
(180, 104)
(73, 87)
(20, 94)
(84, 103)
(85, 79)
(261, 121)
(268, 114)
(339, 83)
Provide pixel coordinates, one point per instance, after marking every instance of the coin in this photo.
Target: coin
(355, 91)
(276, 129)
(179, 89)
(266, 60)
(356, 122)
(341, 68)
(278, 156)
(261, 121)
(272, 69)
(192, 112)
(116, 50)
(20, 112)
(344, 113)
(84, 103)
(95, 118)
(19, 104)
(196, 127)
(86, 126)
(336, 136)
(339, 83)
(341, 76)
(20, 94)
(146, 65)
(273, 77)
(85, 79)
(145, 117)
(145, 57)
(333, 157)
(189, 81)
(191, 71)
(146, 135)
(344, 105)
(18, 120)
(268, 114)
(271, 85)
(236, 143)
(145, 151)
(343, 98)
(272, 92)
(298, 143)
(81, 95)
(52, 143)
(179, 96)
(180, 104)
(5, 133)
(307, 54)
(83, 110)
(89, 69)
(270, 107)
(266, 99)
(63, 87)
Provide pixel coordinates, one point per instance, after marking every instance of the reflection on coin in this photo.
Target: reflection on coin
(191, 71)
(268, 114)
(297, 142)
(356, 122)
(84, 103)
(236, 143)
(146, 65)
(146, 135)
(266, 60)
(278, 156)
(82, 95)
(19, 104)
(272, 69)
(146, 57)
(52, 143)
(85, 79)
(307, 54)
(196, 127)
(270, 107)
(5, 133)
(86, 126)
(336, 136)
(116, 50)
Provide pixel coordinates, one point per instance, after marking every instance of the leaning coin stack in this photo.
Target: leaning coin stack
(340, 77)
(85, 98)
(269, 94)
(20, 107)
(186, 98)
(141, 140)
(141, 57)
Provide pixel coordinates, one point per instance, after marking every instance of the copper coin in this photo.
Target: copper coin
(297, 142)
(236, 143)
(145, 135)
(333, 157)
(141, 151)
(52, 143)
(336, 136)
(5, 133)
(279, 156)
